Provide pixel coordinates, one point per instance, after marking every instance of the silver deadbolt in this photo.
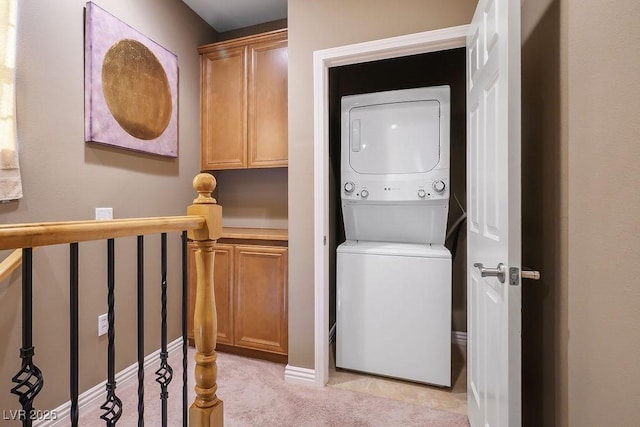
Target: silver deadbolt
(530, 274)
(498, 272)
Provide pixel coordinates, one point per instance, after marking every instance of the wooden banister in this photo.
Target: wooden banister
(207, 409)
(10, 263)
(52, 233)
(203, 223)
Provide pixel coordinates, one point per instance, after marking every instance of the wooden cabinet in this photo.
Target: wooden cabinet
(223, 287)
(260, 310)
(243, 102)
(250, 282)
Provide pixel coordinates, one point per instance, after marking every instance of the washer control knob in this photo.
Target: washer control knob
(438, 186)
(364, 194)
(349, 187)
(421, 193)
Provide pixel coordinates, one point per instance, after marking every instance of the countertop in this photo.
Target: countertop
(255, 233)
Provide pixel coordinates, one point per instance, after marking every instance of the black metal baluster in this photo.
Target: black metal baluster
(29, 379)
(164, 373)
(140, 331)
(184, 329)
(73, 332)
(113, 405)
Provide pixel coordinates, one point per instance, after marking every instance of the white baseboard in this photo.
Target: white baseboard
(98, 394)
(296, 375)
(459, 337)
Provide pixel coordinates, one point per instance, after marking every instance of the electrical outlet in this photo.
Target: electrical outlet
(103, 324)
(104, 213)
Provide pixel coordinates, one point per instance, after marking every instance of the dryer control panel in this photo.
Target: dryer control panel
(357, 187)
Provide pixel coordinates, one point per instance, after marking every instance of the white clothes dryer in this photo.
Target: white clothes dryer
(395, 165)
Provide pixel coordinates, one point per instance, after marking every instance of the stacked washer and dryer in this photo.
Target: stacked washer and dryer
(393, 287)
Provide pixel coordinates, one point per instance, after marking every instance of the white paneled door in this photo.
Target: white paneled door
(494, 217)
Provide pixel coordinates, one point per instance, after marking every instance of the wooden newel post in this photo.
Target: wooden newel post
(206, 410)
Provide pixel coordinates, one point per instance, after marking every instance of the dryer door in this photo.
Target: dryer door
(395, 138)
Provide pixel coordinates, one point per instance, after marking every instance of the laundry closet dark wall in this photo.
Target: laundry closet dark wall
(429, 69)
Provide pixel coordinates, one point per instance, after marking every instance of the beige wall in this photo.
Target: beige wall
(580, 212)
(253, 197)
(603, 252)
(65, 179)
(321, 25)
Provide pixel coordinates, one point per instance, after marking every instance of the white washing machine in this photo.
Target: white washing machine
(393, 307)
(393, 280)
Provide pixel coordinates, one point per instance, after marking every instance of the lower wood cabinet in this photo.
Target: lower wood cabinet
(260, 306)
(223, 286)
(250, 282)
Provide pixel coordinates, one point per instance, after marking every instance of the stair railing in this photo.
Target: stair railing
(203, 225)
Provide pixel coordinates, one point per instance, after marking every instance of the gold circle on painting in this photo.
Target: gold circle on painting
(136, 89)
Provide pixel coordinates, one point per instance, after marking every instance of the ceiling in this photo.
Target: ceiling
(226, 15)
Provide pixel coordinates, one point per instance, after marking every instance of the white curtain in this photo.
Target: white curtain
(10, 183)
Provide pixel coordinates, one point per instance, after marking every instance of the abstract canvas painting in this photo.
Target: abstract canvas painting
(131, 87)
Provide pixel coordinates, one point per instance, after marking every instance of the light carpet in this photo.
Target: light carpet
(255, 394)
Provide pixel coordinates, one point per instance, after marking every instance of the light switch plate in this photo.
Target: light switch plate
(103, 324)
(104, 213)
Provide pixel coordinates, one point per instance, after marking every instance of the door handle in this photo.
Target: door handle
(499, 272)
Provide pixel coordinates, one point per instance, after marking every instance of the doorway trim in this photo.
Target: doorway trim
(394, 47)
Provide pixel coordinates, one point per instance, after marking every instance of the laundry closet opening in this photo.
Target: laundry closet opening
(445, 67)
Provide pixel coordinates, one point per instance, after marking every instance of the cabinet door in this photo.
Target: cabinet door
(260, 312)
(267, 119)
(223, 288)
(224, 109)
(223, 285)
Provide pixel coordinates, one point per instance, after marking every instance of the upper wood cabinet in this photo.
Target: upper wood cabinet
(244, 102)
